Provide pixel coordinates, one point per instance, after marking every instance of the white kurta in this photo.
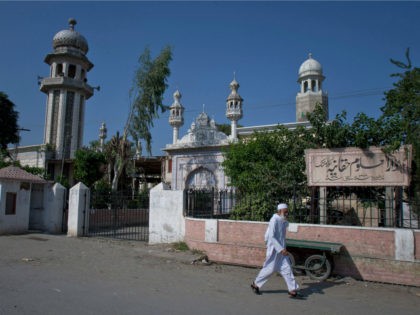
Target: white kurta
(275, 237)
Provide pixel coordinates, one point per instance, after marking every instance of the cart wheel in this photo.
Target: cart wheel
(296, 271)
(317, 267)
(292, 260)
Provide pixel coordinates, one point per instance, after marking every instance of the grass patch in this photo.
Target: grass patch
(181, 246)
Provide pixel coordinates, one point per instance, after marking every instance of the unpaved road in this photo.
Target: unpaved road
(50, 274)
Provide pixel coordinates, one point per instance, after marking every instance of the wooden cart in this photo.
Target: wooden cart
(312, 257)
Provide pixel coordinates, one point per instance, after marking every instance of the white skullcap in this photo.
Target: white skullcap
(281, 206)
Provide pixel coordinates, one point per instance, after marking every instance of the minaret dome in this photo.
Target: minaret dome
(234, 107)
(310, 78)
(176, 116)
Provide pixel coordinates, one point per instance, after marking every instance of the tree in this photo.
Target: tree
(402, 111)
(9, 130)
(267, 168)
(88, 166)
(117, 153)
(146, 97)
(149, 85)
(270, 166)
(225, 128)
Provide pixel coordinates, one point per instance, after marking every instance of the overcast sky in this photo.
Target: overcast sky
(263, 42)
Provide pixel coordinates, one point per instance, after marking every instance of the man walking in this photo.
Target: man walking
(277, 259)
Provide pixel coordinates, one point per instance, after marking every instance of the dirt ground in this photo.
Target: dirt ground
(55, 274)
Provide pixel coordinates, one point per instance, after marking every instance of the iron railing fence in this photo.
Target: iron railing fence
(119, 215)
(209, 203)
(350, 206)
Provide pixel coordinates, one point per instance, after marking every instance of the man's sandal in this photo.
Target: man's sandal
(295, 294)
(255, 288)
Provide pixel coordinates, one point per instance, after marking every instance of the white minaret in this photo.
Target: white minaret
(102, 136)
(66, 90)
(234, 107)
(311, 93)
(176, 116)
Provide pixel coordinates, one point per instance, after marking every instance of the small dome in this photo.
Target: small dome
(70, 38)
(234, 84)
(310, 67)
(177, 95)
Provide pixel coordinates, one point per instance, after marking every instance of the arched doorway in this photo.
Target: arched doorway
(201, 178)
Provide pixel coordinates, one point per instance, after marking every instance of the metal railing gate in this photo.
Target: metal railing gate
(119, 216)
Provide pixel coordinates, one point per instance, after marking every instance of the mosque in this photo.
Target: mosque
(193, 161)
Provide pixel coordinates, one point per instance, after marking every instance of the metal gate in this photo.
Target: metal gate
(119, 216)
(37, 211)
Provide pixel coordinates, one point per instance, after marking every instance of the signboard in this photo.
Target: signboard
(358, 167)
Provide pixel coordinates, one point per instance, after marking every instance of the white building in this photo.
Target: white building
(29, 202)
(195, 160)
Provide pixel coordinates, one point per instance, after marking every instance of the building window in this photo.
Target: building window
(169, 166)
(54, 116)
(59, 70)
(72, 71)
(80, 122)
(51, 170)
(10, 203)
(68, 124)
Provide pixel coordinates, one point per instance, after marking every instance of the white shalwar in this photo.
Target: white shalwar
(275, 237)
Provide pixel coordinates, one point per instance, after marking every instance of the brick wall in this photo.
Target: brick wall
(368, 253)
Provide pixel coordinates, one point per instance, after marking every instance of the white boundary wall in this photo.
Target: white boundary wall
(166, 218)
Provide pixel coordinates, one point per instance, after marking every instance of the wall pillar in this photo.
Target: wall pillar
(54, 207)
(79, 204)
(166, 215)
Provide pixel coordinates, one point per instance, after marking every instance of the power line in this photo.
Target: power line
(344, 95)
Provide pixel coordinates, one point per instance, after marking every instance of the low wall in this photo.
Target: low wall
(374, 254)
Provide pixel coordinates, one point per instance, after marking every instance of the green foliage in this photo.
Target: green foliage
(268, 167)
(333, 134)
(402, 112)
(39, 171)
(88, 166)
(118, 152)
(180, 246)
(101, 194)
(254, 207)
(64, 181)
(149, 85)
(225, 128)
(9, 130)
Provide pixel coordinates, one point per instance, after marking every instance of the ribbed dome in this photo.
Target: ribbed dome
(310, 67)
(70, 38)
